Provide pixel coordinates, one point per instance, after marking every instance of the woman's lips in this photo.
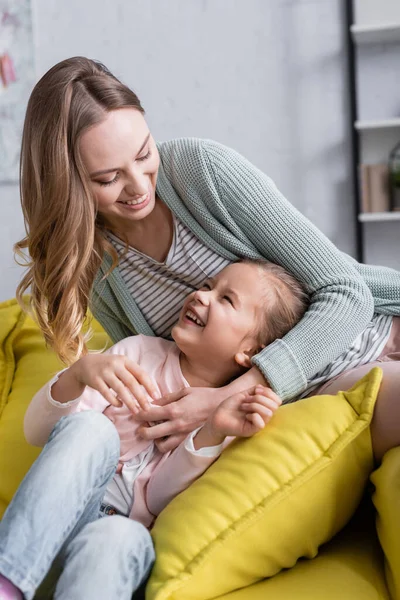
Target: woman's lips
(138, 205)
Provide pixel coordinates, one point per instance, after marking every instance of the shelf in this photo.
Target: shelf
(379, 124)
(388, 33)
(379, 216)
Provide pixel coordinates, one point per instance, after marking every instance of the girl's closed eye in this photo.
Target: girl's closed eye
(225, 297)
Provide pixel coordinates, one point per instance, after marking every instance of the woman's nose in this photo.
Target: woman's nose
(137, 184)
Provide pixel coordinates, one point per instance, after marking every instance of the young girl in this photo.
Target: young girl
(57, 509)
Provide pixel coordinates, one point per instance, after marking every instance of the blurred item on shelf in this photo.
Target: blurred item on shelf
(394, 167)
(374, 182)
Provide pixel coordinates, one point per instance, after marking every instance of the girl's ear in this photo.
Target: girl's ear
(243, 359)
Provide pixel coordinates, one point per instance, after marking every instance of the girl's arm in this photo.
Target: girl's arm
(44, 411)
(241, 415)
(92, 383)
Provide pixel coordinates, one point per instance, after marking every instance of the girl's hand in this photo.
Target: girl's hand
(241, 415)
(117, 378)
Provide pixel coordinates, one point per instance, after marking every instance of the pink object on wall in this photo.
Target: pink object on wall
(7, 71)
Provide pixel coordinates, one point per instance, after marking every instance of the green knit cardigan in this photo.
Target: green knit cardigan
(236, 210)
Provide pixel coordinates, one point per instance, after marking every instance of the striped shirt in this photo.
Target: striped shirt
(366, 348)
(159, 290)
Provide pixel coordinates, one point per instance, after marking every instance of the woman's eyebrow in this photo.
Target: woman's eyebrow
(105, 171)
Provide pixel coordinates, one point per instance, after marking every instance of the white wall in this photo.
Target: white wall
(268, 78)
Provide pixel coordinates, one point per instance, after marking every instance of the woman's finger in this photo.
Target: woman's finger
(168, 398)
(143, 378)
(169, 443)
(157, 431)
(155, 413)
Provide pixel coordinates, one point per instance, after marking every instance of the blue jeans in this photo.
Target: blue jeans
(55, 514)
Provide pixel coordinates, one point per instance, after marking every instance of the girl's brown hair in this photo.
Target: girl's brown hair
(285, 302)
(64, 235)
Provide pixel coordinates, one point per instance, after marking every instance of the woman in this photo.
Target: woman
(130, 227)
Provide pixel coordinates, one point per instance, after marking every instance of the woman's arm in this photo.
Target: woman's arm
(341, 302)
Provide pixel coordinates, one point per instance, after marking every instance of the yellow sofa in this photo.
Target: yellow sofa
(351, 566)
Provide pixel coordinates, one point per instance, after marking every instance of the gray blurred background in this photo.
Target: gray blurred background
(268, 78)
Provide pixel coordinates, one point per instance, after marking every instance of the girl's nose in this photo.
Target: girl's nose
(203, 296)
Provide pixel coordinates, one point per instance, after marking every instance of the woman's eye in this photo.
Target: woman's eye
(206, 286)
(145, 157)
(110, 182)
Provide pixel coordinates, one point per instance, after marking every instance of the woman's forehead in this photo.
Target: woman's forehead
(119, 137)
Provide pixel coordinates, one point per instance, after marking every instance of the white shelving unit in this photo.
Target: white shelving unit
(376, 34)
(374, 30)
(379, 216)
(379, 124)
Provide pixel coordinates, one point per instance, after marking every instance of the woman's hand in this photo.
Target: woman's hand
(116, 377)
(177, 414)
(241, 415)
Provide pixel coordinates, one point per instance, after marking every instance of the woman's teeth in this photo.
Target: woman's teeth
(134, 202)
(190, 315)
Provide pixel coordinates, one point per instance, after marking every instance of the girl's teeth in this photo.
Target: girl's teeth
(193, 317)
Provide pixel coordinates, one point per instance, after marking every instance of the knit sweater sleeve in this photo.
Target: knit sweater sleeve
(341, 302)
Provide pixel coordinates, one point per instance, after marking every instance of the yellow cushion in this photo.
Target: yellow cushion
(11, 321)
(350, 567)
(268, 500)
(387, 501)
(25, 365)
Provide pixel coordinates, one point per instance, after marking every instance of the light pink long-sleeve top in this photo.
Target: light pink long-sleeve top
(166, 475)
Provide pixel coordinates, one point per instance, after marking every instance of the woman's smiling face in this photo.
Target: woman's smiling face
(122, 161)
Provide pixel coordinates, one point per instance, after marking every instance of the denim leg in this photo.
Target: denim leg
(61, 493)
(108, 559)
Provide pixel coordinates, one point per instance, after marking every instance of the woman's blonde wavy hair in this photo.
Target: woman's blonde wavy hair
(64, 234)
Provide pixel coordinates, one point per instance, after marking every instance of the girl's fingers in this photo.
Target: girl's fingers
(255, 408)
(267, 402)
(256, 421)
(108, 394)
(123, 393)
(267, 393)
(143, 378)
(134, 388)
